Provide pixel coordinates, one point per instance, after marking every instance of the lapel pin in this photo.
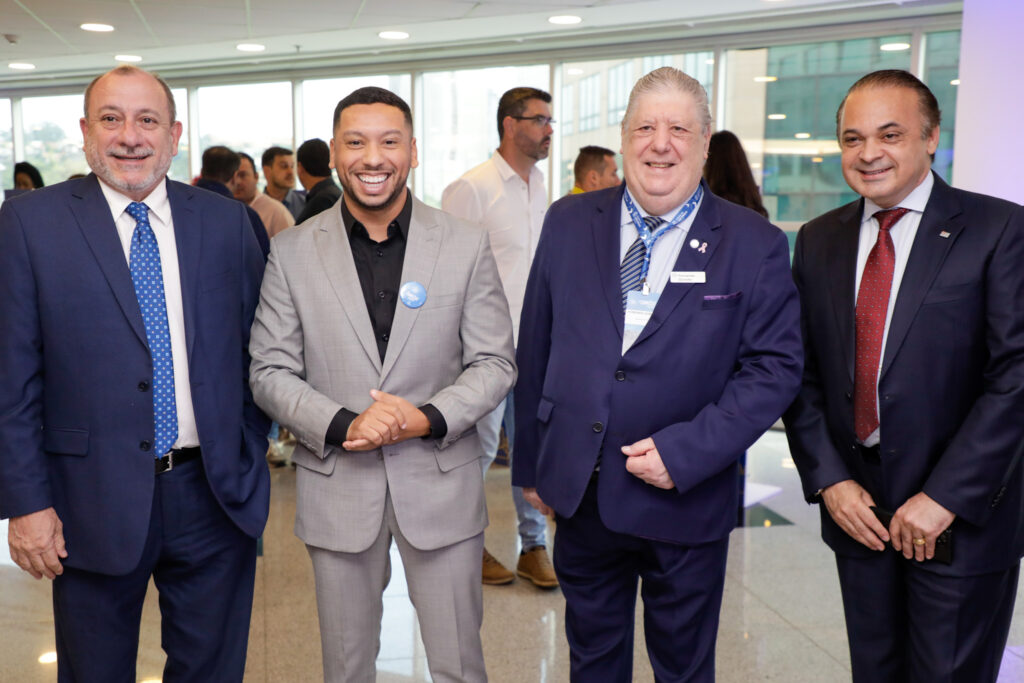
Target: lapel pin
(694, 244)
(413, 294)
(944, 235)
(703, 248)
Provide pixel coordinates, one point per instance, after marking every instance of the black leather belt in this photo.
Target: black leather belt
(178, 456)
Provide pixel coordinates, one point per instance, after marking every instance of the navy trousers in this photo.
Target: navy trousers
(203, 567)
(681, 588)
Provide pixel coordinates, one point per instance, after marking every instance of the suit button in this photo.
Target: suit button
(380, 294)
(620, 375)
(598, 427)
(143, 385)
(849, 396)
(145, 445)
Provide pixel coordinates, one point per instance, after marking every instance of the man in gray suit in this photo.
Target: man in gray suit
(381, 338)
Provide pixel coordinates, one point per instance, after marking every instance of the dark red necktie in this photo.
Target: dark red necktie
(872, 305)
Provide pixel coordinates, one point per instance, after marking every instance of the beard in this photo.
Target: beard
(353, 197)
(97, 161)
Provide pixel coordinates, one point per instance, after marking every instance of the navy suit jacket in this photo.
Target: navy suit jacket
(75, 401)
(713, 369)
(952, 380)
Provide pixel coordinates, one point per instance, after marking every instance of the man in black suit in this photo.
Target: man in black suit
(913, 395)
(313, 166)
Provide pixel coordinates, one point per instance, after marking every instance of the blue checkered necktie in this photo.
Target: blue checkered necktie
(631, 271)
(144, 259)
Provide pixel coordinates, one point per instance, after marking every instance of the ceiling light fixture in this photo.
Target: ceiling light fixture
(21, 66)
(817, 160)
(955, 81)
(250, 47)
(393, 35)
(803, 136)
(127, 58)
(97, 28)
(776, 117)
(564, 19)
(894, 47)
(48, 658)
(765, 79)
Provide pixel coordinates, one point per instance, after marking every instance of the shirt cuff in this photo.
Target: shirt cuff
(337, 432)
(438, 426)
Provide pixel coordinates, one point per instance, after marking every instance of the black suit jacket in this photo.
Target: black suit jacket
(321, 197)
(952, 382)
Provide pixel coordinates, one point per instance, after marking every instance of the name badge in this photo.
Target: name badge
(688, 277)
(639, 309)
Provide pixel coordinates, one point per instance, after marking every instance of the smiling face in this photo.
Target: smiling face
(373, 151)
(884, 154)
(128, 133)
(663, 149)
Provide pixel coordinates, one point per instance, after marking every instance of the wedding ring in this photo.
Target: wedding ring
(919, 541)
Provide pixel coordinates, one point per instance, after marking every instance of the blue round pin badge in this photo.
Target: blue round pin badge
(413, 294)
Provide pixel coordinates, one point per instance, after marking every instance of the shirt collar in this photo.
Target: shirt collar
(667, 216)
(917, 200)
(157, 201)
(403, 219)
(506, 171)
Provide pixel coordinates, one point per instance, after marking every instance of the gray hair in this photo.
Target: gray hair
(669, 78)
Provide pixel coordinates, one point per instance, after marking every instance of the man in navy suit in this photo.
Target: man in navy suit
(913, 395)
(642, 381)
(131, 447)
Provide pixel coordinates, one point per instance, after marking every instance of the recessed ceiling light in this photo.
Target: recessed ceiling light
(776, 117)
(21, 66)
(564, 19)
(802, 136)
(127, 58)
(393, 35)
(894, 47)
(250, 47)
(574, 71)
(48, 658)
(98, 28)
(709, 61)
(955, 81)
(817, 160)
(765, 79)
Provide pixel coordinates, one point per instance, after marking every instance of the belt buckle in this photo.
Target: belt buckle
(165, 463)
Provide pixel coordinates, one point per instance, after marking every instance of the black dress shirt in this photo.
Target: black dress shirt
(379, 266)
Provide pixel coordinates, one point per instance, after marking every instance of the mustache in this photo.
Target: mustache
(122, 151)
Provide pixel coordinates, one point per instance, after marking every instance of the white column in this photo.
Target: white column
(988, 149)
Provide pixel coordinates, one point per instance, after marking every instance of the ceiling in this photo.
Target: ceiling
(197, 37)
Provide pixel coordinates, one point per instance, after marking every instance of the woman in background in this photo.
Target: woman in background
(27, 177)
(728, 172)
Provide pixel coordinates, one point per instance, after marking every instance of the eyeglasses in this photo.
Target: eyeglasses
(538, 119)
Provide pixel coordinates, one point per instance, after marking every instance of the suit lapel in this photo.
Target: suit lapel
(420, 258)
(605, 230)
(92, 212)
(188, 237)
(842, 266)
(339, 268)
(941, 214)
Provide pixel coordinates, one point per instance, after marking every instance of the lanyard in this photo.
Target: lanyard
(649, 238)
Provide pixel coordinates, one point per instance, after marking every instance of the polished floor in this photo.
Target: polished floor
(781, 615)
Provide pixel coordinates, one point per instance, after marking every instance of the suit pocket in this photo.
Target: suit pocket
(939, 295)
(66, 441)
(713, 301)
(456, 455)
(442, 301)
(223, 279)
(544, 408)
(302, 457)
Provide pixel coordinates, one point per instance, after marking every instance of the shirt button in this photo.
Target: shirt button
(143, 385)
(145, 445)
(598, 427)
(380, 294)
(385, 336)
(380, 252)
(620, 375)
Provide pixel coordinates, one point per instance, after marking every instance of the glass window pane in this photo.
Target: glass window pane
(53, 138)
(179, 165)
(941, 75)
(321, 96)
(459, 114)
(6, 147)
(603, 89)
(781, 102)
(247, 118)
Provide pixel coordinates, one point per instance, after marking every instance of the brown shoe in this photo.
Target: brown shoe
(535, 566)
(494, 572)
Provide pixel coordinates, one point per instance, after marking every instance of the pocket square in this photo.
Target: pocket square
(723, 297)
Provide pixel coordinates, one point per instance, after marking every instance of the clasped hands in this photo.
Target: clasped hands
(642, 461)
(390, 419)
(849, 504)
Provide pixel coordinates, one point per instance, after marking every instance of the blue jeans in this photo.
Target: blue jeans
(532, 525)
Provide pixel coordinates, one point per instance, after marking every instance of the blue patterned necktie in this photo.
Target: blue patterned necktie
(631, 270)
(144, 259)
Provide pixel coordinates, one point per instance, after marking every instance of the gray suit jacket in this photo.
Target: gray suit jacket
(314, 352)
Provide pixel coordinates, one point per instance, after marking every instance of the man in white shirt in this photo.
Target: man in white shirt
(274, 214)
(506, 196)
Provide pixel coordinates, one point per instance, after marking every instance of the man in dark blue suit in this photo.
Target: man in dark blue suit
(659, 339)
(131, 447)
(913, 396)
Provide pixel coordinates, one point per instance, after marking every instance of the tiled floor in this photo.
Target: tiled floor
(781, 615)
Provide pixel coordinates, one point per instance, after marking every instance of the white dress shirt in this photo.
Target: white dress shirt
(163, 227)
(903, 233)
(512, 211)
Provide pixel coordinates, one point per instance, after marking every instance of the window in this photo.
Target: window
(6, 147)
(620, 82)
(459, 129)
(567, 110)
(247, 118)
(179, 164)
(590, 102)
(53, 138)
(321, 96)
(941, 71)
(649, 64)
